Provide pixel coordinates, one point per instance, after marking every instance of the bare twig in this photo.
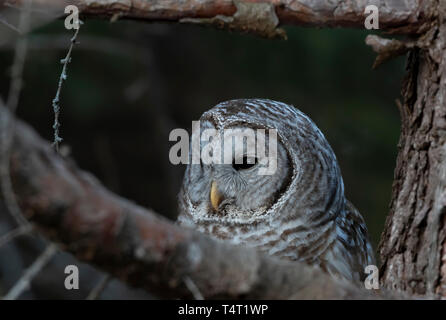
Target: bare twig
(9, 25)
(62, 78)
(19, 59)
(7, 122)
(29, 274)
(387, 48)
(193, 288)
(23, 229)
(99, 288)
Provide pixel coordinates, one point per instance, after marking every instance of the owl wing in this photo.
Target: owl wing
(353, 240)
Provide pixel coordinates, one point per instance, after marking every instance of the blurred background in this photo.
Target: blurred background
(129, 84)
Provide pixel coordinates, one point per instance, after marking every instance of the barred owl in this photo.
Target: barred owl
(297, 213)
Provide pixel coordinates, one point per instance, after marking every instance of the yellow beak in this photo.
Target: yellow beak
(215, 196)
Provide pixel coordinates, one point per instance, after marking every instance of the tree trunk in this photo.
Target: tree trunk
(413, 248)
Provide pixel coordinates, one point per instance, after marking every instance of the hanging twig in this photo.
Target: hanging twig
(62, 78)
(23, 283)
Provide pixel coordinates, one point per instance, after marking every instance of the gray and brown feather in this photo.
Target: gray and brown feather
(299, 213)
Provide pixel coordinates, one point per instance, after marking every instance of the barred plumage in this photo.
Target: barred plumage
(298, 213)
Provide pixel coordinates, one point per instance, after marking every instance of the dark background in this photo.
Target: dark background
(129, 84)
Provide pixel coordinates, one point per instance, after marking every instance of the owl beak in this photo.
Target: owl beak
(215, 196)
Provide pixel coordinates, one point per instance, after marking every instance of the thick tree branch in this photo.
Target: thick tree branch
(74, 209)
(413, 244)
(257, 16)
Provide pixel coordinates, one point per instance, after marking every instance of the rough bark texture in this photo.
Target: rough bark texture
(257, 16)
(413, 248)
(73, 209)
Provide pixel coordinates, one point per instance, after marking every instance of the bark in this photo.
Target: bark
(413, 248)
(261, 17)
(73, 209)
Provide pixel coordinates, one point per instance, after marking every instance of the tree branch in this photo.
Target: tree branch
(413, 244)
(257, 16)
(136, 245)
(11, 235)
(30, 273)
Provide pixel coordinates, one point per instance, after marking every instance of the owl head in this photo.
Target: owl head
(305, 184)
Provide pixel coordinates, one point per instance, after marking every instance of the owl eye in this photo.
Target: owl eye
(245, 164)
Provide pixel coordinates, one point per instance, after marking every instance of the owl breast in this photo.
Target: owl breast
(340, 247)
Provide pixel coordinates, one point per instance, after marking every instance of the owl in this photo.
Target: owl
(298, 212)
